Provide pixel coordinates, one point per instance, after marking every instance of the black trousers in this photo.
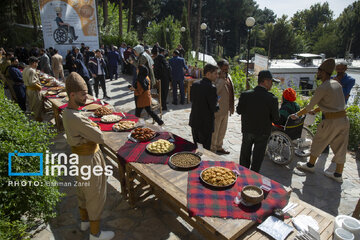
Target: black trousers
(150, 112)
(90, 91)
(259, 142)
(99, 79)
(202, 137)
(164, 92)
(20, 92)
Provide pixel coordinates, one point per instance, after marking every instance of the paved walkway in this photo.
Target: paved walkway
(153, 220)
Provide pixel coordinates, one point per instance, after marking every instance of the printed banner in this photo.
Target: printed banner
(67, 23)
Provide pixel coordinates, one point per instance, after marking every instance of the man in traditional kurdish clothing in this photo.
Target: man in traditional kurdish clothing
(57, 65)
(84, 137)
(334, 129)
(33, 88)
(225, 90)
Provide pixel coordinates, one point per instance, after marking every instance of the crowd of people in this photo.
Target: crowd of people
(212, 98)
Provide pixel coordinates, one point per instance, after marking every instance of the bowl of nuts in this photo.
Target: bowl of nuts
(184, 160)
(218, 177)
(252, 195)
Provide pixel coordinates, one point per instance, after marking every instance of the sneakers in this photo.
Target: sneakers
(303, 166)
(104, 235)
(332, 176)
(84, 226)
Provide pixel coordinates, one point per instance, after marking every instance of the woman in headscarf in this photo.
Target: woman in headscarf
(288, 106)
(143, 95)
(143, 58)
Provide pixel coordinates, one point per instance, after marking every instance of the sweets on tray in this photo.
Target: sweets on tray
(102, 111)
(124, 125)
(142, 134)
(218, 176)
(160, 146)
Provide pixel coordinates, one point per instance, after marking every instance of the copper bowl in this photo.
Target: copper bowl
(252, 194)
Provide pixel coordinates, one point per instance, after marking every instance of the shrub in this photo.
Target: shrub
(21, 205)
(353, 113)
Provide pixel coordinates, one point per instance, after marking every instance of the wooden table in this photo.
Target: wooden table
(171, 187)
(187, 85)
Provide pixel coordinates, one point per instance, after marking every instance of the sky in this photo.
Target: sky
(289, 7)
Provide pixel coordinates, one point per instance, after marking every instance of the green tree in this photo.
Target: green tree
(284, 42)
(349, 29)
(167, 33)
(185, 36)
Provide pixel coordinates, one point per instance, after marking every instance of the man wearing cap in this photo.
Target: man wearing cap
(33, 88)
(346, 81)
(334, 129)
(84, 137)
(97, 68)
(225, 91)
(258, 109)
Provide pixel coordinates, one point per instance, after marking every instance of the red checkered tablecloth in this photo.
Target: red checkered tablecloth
(136, 152)
(108, 126)
(202, 201)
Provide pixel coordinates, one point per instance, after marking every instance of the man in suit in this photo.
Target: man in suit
(178, 65)
(162, 71)
(82, 70)
(97, 68)
(57, 66)
(113, 61)
(258, 109)
(225, 91)
(44, 62)
(78, 54)
(204, 105)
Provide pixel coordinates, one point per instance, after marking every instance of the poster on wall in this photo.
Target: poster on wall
(68, 23)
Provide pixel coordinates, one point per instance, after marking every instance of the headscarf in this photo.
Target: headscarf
(140, 50)
(289, 94)
(141, 77)
(75, 83)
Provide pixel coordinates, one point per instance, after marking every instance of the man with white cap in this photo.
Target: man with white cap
(334, 129)
(84, 137)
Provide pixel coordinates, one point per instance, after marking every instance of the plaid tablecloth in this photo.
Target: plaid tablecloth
(108, 126)
(136, 152)
(202, 201)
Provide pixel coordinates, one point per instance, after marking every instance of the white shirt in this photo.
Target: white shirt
(100, 72)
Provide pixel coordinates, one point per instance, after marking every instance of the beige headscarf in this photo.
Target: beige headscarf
(75, 83)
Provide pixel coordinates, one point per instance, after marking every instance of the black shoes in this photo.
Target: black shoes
(107, 97)
(174, 103)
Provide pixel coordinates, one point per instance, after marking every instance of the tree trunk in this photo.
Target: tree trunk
(25, 7)
(189, 12)
(105, 13)
(120, 19)
(197, 42)
(131, 2)
(33, 18)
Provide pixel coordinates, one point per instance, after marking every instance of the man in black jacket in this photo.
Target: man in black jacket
(258, 109)
(204, 105)
(162, 71)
